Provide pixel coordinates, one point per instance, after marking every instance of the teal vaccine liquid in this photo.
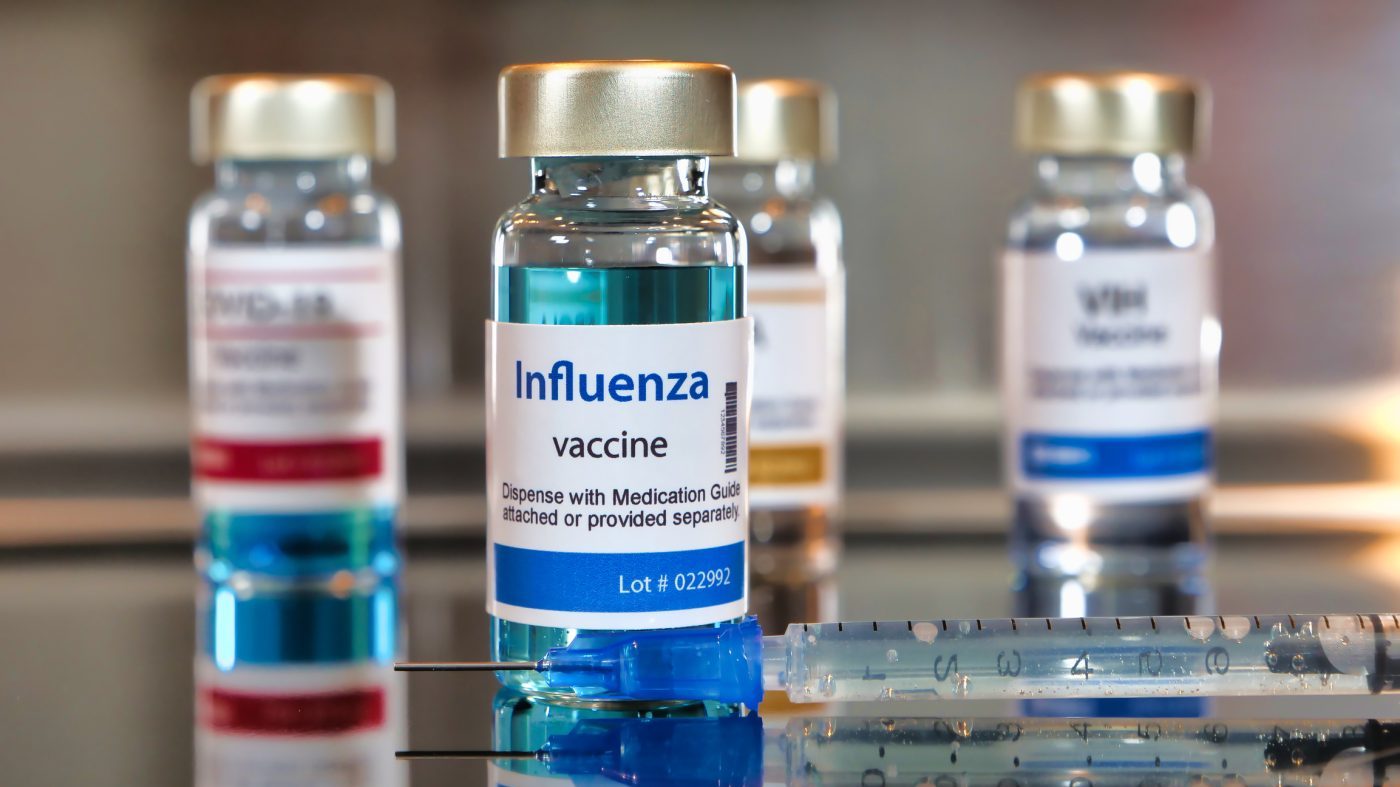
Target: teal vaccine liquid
(618, 296)
(618, 322)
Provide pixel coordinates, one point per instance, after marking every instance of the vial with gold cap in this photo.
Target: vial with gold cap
(1110, 347)
(787, 127)
(294, 318)
(618, 359)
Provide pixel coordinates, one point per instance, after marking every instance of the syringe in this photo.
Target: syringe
(1017, 658)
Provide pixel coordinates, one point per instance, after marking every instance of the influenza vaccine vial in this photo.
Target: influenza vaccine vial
(1110, 348)
(618, 357)
(294, 329)
(796, 297)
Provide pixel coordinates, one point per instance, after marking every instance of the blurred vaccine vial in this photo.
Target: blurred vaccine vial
(295, 331)
(618, 360)
(797, 299)
(1110, 348)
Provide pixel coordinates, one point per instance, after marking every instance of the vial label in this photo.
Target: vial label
(794, 439)
(294, 366)
(617, 473)
(1110, 373)
(305, 725)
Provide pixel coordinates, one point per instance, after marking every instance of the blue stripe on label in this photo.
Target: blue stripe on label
(1051, 456)
(627, 582)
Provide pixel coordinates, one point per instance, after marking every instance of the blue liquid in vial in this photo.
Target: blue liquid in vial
(632, 295)
(299, 588)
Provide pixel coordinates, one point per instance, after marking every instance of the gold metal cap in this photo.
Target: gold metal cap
(1110, 113)
(786, 119)
(617, 108)
(291, 116)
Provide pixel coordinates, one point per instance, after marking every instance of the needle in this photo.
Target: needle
(463, 666)
(465, 754)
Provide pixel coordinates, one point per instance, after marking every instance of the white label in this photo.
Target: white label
(1110, 373)
(320, 726)
(617, 473)
(295, 378)
(795, 435)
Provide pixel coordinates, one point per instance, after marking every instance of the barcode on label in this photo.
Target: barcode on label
(731, 427)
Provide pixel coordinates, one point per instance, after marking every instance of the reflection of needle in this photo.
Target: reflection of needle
(464, 666)
(464, 754)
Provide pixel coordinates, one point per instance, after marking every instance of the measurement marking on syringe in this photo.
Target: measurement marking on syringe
(1199, 655)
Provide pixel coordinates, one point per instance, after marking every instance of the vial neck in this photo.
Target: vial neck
(627, 178)
(789, 179)
(1085, 176)
(350, 173)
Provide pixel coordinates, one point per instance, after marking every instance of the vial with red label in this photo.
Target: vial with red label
(295, 336)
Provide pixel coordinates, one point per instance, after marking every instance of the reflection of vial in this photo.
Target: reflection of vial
(621, 743)
(797, 301)
(1110, 348)
(294, 329)
(296, 686)
(617, 360)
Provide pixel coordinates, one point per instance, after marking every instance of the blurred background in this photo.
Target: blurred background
(1301, 168)
(1301, 165)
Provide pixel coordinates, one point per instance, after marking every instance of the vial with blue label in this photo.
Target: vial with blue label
(1110, 348)
(294, 320)
(796, 284)
(618, 360)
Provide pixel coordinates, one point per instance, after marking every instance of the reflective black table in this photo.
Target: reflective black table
(97, 651)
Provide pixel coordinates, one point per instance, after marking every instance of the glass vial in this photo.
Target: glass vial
(618, 360)
(797, 299)
(1110, 348)
(294, 318)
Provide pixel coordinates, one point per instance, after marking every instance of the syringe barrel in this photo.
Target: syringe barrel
(1030, 658)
